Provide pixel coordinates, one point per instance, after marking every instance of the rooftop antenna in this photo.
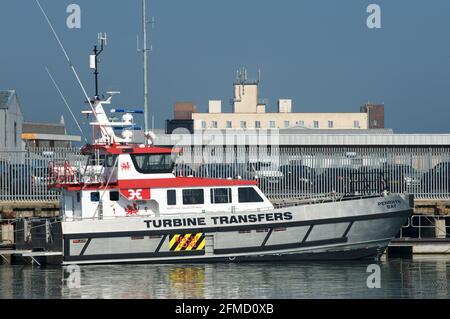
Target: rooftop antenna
(72, 67)
(242, 76)
(102, 42)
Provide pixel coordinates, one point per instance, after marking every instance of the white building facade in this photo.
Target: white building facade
(249, 112)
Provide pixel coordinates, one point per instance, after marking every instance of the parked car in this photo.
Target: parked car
(342, 180)
(18, 179)
(216, 171)
(437, 179)
(400, 178)
(41, 179)
(370, 180)
(268, 173)
(244, 171)
(298, 177)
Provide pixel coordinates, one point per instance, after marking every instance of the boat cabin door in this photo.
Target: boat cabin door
(111, 168)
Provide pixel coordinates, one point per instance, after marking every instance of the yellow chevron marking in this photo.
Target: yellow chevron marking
(183, 242)
(202, 244)
(193, 242)
(173, 241)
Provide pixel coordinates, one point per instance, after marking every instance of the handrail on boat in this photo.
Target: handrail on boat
(323, 199)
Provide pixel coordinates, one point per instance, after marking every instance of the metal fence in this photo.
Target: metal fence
(283, 173)
(308, 172)
(424, 226)
(24, 175)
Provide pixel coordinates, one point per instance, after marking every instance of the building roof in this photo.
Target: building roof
(44, 128)
(47, 132)
(310, 138)
(5, 98)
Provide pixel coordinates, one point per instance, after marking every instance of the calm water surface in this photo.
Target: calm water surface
(421, 277)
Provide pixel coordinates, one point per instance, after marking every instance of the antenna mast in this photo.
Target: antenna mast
(145, 53)
(94, 59)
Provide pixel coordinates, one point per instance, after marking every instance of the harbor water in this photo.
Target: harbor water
(420, 277)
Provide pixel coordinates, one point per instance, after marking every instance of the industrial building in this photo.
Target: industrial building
(250, 112)
(11, 119)
(182, 119)
(51, 135)
(17, 135)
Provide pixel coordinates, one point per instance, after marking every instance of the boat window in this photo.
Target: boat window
(95, 196)
(193, 197)
(249, 195)
(171, 197)
(110, 160)
(153, 163)
(78, 197)
(220, 195)
(114, 196)
(97, 160)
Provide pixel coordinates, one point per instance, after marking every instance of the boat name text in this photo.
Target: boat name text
(390, 204)
(218, 220)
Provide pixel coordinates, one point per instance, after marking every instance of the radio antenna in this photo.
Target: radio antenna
(65, 102)
(102, 41)
(145, 54)
(72, 67)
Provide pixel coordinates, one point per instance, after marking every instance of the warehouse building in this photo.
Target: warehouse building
(48, 135)
(11, 119)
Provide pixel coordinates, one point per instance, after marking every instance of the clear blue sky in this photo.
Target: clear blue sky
(320, 53)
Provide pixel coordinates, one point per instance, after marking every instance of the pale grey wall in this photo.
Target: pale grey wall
(11, 120)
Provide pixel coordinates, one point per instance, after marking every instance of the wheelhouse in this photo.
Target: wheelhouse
(140, 181)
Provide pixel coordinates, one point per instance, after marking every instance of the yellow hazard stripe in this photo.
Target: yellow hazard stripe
(194, 242)
(187, 242)
(181, 245)
(173, 241)
(202, 244)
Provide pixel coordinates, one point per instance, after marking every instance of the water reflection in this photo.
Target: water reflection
(422, 277)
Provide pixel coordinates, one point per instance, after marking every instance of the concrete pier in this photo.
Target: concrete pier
(11, 211)
(440, 228)
(432, 207)
(415, 246)
(7, 234)
(17, 210)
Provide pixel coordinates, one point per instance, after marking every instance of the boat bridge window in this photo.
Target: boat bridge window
(96, 160)
(153, 163)
(221, 196)
(114, 196)
(249, 195)
(110, 160)
(193, 197)
(171, 197)
(95, 196)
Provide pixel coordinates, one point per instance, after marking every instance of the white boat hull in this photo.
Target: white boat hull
(353, 229)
